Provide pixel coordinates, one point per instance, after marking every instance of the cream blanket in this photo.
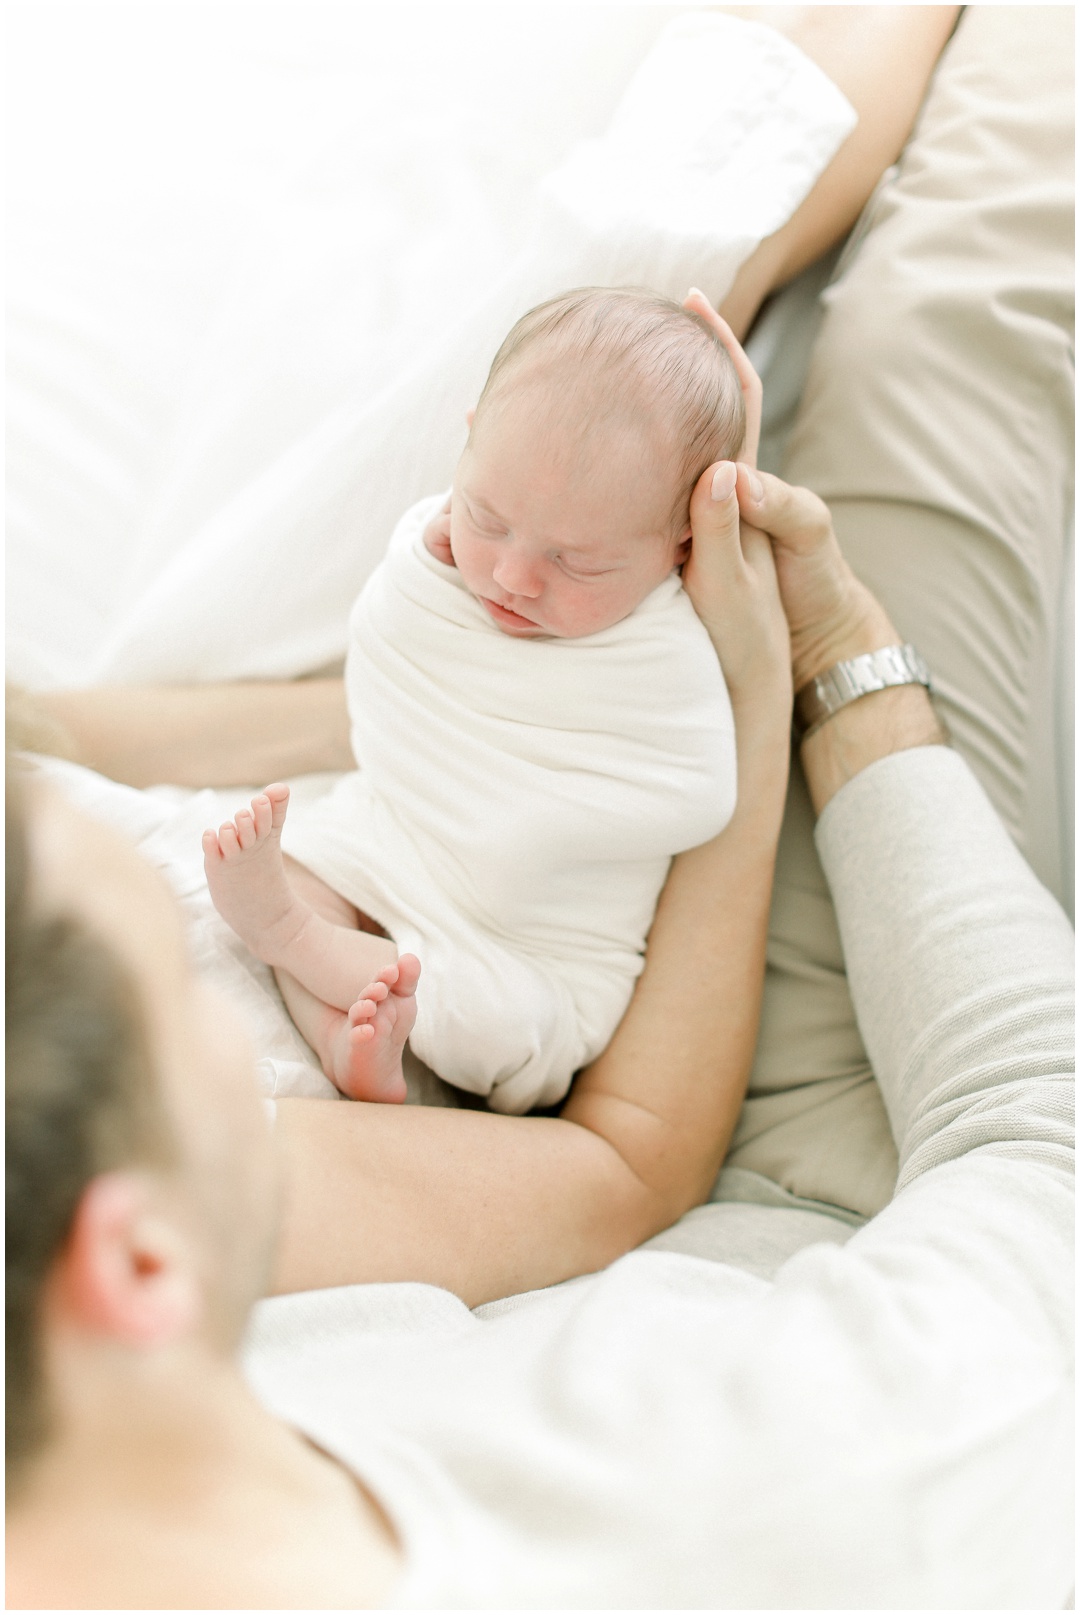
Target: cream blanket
(514, 810)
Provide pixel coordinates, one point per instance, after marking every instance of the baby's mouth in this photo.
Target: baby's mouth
(505, 617)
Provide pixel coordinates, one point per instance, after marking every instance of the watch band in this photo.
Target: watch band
(824, 696)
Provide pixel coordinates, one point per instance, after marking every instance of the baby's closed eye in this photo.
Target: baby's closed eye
(583, 573)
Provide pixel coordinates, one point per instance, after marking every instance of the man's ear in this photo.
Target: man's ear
(126, 1271)
(470, 416)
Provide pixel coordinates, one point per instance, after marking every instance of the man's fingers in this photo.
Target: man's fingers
(794, 518)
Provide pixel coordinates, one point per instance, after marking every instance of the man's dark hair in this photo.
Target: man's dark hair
(81, 1100)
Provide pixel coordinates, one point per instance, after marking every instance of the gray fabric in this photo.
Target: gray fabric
(937, 422)
(978, 1030)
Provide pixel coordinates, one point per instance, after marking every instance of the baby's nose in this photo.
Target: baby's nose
(518, 574)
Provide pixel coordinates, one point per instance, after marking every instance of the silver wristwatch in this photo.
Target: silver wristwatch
(819, 700)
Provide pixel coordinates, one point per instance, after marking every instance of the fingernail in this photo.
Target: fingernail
(723, 482)
(695, 291)
(757, 487)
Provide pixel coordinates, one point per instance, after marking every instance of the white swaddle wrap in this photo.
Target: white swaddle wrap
(515, 805)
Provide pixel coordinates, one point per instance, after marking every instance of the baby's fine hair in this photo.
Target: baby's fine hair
(645, 351)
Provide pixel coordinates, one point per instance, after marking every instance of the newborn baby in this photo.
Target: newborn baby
(538, 719)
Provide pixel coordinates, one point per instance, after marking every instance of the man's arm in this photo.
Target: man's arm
(488, 1205)
(205, 734)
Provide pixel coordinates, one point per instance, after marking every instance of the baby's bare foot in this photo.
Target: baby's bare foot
(246, 875)
(367, 1050)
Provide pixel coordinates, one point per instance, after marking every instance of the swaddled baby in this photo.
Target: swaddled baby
(538, 719)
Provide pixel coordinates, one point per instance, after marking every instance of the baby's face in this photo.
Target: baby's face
(558, 529)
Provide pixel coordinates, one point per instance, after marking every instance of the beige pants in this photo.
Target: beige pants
(937, 424)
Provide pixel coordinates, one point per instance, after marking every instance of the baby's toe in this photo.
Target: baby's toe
(408, 968)
(245, 829)
(228, 841)
(278, 797)
(262, 814)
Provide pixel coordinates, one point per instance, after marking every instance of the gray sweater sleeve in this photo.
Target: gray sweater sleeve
(960, 965)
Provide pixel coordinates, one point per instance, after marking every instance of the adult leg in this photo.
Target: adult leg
(882, 58)
(937, 423)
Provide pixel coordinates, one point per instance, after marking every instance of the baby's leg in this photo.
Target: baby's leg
(287, 916)
(361, 1050)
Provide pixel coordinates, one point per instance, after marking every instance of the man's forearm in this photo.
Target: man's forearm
(960, 963)
(487, 1205)
(860, 734)
(873, 726)
(667, 1091)
(212, 734)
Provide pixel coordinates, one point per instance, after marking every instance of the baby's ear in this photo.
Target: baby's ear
(470, 416)
(682, 551)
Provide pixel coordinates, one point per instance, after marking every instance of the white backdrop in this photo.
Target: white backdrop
(160, 153)
(244, 245)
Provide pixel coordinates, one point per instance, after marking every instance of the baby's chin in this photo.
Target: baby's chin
(516, 626)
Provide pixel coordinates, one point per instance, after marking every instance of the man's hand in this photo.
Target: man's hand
(437, 536)
(831, 615)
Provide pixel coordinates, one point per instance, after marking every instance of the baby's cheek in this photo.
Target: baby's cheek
(470, 565)
(590, 608)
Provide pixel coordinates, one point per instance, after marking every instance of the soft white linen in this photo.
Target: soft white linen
(221, 403)
(166, 824)
(878, 1419)
(514, 810)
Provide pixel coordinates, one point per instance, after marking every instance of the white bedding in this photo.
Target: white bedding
(166, 824)
(256, 275)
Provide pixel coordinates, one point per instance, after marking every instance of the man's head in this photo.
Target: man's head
(571, 502)
(139, 1184)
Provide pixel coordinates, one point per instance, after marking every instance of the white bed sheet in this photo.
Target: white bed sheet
(260, 258)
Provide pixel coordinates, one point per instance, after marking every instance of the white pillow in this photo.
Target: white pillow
(305, 416)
